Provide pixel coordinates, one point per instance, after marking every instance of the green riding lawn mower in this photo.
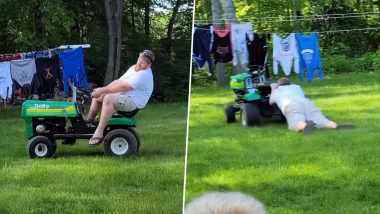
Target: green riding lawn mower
(47, 122)
(252, 91)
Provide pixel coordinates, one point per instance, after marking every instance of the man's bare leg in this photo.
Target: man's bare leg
(106, 113)
(96, 104)
(331, 125)
(300, 126)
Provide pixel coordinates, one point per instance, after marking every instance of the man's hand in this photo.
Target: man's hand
(97, 92)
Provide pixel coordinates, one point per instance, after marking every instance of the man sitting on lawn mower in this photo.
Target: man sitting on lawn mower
(301, 114)
(128, 93)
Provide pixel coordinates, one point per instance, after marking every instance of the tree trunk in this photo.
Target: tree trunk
(229, 7)
(133, 19)
(171, 24)
(114, 14)
(39, 28)
(217, 18)
(146, 18)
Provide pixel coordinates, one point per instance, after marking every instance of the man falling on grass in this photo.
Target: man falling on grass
(301, 114)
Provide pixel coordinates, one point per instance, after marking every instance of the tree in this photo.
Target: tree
(114, 14)
(230, 11)
(171, 23)
(217, 18)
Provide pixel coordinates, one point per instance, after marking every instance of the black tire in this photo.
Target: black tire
(230, 113)
(40, 147)
(250, 114)
(120, 142)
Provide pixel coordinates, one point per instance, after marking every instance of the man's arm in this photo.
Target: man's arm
(274, 87)
(114, 87)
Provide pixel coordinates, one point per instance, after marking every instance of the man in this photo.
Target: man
(128, 93)
(301, 114)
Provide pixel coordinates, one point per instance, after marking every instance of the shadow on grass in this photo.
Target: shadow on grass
(75, 154)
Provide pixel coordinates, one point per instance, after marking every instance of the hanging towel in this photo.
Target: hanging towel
(23, 71)
(285, 53)
(309, 56)
(202, 46)
(5, 80)
(239, 32)
(73, 68)
(49, 76)
(222, 44)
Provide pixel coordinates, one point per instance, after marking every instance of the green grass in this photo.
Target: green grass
(328, 172)
(82, 180)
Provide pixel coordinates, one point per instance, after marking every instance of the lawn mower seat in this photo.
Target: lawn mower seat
(128, 113)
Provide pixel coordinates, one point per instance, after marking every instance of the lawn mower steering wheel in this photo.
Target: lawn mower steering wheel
(256, 70)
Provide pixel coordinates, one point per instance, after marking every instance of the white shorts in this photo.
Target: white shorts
(297, 112)
(124, 103)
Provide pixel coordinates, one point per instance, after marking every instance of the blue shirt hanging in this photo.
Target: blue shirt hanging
(202, 45)
(309, 58)
(73, 68)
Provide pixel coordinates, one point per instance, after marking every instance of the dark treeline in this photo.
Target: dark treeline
(149, 24)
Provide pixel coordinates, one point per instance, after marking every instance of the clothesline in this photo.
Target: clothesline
(319, 32)
(53, 49)
(304, 17)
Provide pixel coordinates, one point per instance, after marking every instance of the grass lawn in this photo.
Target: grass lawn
(328, 172)
(82, 180)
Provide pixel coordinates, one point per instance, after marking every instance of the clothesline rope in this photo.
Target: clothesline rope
(304, 17)
(319, 32)
(52, 49)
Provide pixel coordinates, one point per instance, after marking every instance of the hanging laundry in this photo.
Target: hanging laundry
(49, 76)
(285, 53)
(42, 54)
(29, 55)
(202, 46)
(73, 68)
(309, 56)
(257, 49)
(222, 44)
(5, 80)
(239, 32)
(8, 58)
(23, 71)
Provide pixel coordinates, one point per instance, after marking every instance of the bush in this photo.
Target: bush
(336, 64)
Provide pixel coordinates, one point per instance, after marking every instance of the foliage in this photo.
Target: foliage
(376, 61)
(38, 25)
(336, 64)
(82, 180)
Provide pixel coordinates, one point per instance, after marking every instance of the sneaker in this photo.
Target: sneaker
(308, 128)
(345, 126)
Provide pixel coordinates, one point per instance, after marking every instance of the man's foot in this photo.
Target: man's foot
(308, 128)
(95, 141)
(345, 126)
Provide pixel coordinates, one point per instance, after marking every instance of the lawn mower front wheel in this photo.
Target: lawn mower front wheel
(40, 147)
(230, 113)
(250, 114)
(120, 142)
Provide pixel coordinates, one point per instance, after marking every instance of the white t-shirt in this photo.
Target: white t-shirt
(286, 94)
(5, 80)
(285, 52)
(142, 84)
(239, 42)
